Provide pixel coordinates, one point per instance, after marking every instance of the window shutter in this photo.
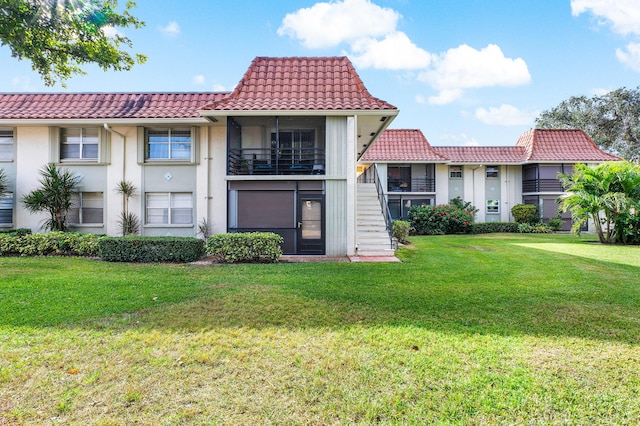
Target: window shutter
(54, 144)
(141, 145)
(195, 145)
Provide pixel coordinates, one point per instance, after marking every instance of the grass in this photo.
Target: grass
(487, 329)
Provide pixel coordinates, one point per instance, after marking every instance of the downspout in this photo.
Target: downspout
(124, 156)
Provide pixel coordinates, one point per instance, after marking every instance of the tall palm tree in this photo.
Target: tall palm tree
(57, 187)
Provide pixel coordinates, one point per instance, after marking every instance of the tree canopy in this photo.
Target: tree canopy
(59, 36)
(611, 120)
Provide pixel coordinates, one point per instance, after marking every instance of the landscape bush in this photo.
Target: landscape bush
(133, 248)
(50, 244)
(400, 230)
(441, 219)
(538, 228)
(245, 247)
(17, 231)
(525, 213)
(494, 227)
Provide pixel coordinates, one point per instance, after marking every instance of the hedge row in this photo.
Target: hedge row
(151, 249)
(53, 243)
(18, 231)
(494, 227)
(252, 247)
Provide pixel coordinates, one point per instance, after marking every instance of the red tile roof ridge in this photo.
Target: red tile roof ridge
(320, 83)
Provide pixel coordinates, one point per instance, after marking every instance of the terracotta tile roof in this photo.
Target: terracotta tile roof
(300, 83)
(572, 145)
(482, 154)
(103, 105)
(402, 145)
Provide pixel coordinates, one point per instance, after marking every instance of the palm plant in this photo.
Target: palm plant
(57, 187)
(129, 223)
(4, 183)
(605, 194)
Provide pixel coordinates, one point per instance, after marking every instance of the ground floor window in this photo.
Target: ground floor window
(6, 209)
(169, 208)
(87, 208)
(399, 207)
(493, 206)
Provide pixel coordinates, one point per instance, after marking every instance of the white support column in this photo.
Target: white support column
(352, 154)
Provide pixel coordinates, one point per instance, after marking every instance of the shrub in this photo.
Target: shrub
(441, 219)
(525, 213)
(53, 243)
(493, 227)
(629, 228)
(133, 248)
(555, 224)
(253, 247)
(400, 230)
(538, 228)
(17, 231)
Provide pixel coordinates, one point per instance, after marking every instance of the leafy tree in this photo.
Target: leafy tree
(58, 36)
(57, 187)
(609, 194)
(611, 120)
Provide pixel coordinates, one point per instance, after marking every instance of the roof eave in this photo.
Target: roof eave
(305, 112)
(97, 121)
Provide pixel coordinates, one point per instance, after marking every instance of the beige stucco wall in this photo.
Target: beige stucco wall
(32, 153)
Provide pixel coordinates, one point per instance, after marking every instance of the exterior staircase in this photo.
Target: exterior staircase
(372, 237)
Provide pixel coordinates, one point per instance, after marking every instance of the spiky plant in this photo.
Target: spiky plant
(57, 187)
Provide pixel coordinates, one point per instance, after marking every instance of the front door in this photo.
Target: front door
(310, 224)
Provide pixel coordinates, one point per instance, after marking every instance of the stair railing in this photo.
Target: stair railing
(371, 176)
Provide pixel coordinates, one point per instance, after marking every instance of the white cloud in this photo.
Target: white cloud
(600, 91)
(110, 31)
(623, 15)
(219, 88)
(371, 33)
(630, 57)
(505, 115)
(330, 24)
(464, 67)
(395, 52)
(23, 84)
(420, 99)
(198, 79)
(459, 139)
(172, 29)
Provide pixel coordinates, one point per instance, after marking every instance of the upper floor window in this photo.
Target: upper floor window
(455, 172)
(169, 208)
(6, 209)
(87, 208)
(492, 172)
(167, 144)
(79, 143)
(6, 145)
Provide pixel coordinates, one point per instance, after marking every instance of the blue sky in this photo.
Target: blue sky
(465, 72)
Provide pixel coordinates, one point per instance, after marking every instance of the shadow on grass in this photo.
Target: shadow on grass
(456, 285)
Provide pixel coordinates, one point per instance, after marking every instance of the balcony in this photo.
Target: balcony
(542, 185)
(411, 185)
(283, 161)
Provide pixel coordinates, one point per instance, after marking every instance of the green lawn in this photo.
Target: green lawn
(488, 329)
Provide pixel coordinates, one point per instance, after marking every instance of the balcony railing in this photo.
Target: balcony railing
(542, 185)
(411, 185)
(283, 161)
